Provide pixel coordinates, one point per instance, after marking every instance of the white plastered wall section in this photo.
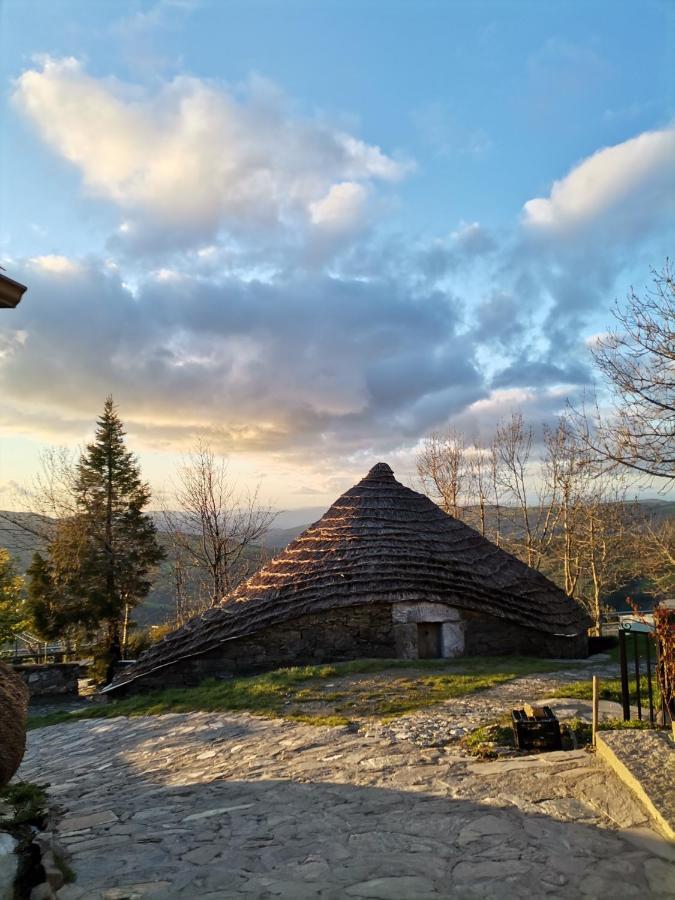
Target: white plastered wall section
(406, 617)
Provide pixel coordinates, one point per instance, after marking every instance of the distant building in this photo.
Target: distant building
(11, 292)
(385, 573)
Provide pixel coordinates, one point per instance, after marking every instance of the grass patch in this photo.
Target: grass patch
(310, 694)
(610, 689)
(29, 802)
(66, 870)
(612, 724)
(482, 741)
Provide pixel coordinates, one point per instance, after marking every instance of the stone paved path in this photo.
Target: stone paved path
(223, 806)
(454, 718)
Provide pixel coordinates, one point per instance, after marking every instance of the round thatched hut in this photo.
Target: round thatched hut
(384, 573)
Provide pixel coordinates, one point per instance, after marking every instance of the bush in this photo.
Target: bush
(143, 638)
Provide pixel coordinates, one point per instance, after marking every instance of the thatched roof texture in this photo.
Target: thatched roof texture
(380, 542)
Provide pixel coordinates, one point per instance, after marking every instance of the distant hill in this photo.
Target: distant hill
(19, 533)
(157, 608)
(278, 538)
(296, 518)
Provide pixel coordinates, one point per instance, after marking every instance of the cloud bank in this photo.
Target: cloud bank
(276, 317)
(280, 366)
(196, 156)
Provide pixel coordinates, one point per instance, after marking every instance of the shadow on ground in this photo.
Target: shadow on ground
(212, 806)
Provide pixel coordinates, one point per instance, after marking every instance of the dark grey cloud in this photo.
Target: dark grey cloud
(525, 371)
(271, 366)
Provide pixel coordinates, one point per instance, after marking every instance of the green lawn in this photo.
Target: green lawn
(610, 689)
(332, 694)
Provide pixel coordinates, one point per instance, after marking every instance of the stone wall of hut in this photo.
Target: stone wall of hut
(339, 634)
(370, 631)
(488, 636)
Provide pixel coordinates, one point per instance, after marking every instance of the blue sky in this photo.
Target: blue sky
(315, 231)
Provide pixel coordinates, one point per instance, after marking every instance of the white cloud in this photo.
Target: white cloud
(57, 265)
(632, 182)
(196, 156)
(342, 207)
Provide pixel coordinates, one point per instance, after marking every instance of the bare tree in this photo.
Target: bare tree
(608, 538)
(530, 484)
(216, 525)
(495, 482)
(442, 468)
(637, 361)
(478, 471)
(48, 501)
(592, 527)
(658, 555)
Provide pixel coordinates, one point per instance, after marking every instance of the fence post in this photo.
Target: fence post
(596, 698)
(636, 652)
(650, 693)
(625, 693)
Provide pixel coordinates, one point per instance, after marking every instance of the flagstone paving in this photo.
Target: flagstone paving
(225, 806)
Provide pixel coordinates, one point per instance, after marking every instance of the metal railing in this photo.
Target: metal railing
(639, 634)
(25, 647)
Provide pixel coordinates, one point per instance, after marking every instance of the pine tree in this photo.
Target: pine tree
(102, 558)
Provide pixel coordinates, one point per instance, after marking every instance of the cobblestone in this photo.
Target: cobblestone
(225, 806)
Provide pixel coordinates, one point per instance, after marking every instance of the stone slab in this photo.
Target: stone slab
(645, 762)
(8, 865)
(221, 806)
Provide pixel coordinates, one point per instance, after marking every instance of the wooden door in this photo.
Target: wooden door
(429, 640)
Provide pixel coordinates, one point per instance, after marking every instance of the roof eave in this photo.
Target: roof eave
(11, 292)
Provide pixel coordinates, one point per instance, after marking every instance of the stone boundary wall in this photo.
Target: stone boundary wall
(48, 679)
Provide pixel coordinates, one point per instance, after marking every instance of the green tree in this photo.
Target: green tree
(102, 557)
(13, 613)
(53, 613)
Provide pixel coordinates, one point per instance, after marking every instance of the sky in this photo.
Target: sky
(312, 232)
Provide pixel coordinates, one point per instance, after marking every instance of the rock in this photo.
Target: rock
(8, 865)
(485, 825)
(53, 874)
(622, 808)
(42, 892)
(651, 842)
(475, 870)
(134, 891)
(13, 704)
(661, 876)
(597, 886)
(70, 892)
(202, 855)
(79, 823)
(403, 888)
(221, 810)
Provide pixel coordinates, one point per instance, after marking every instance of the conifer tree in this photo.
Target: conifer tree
(101, 559)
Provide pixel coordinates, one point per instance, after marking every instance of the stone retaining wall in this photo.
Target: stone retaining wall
(49, 678)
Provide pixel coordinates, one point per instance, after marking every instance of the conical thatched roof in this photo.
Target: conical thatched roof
(380, 542)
